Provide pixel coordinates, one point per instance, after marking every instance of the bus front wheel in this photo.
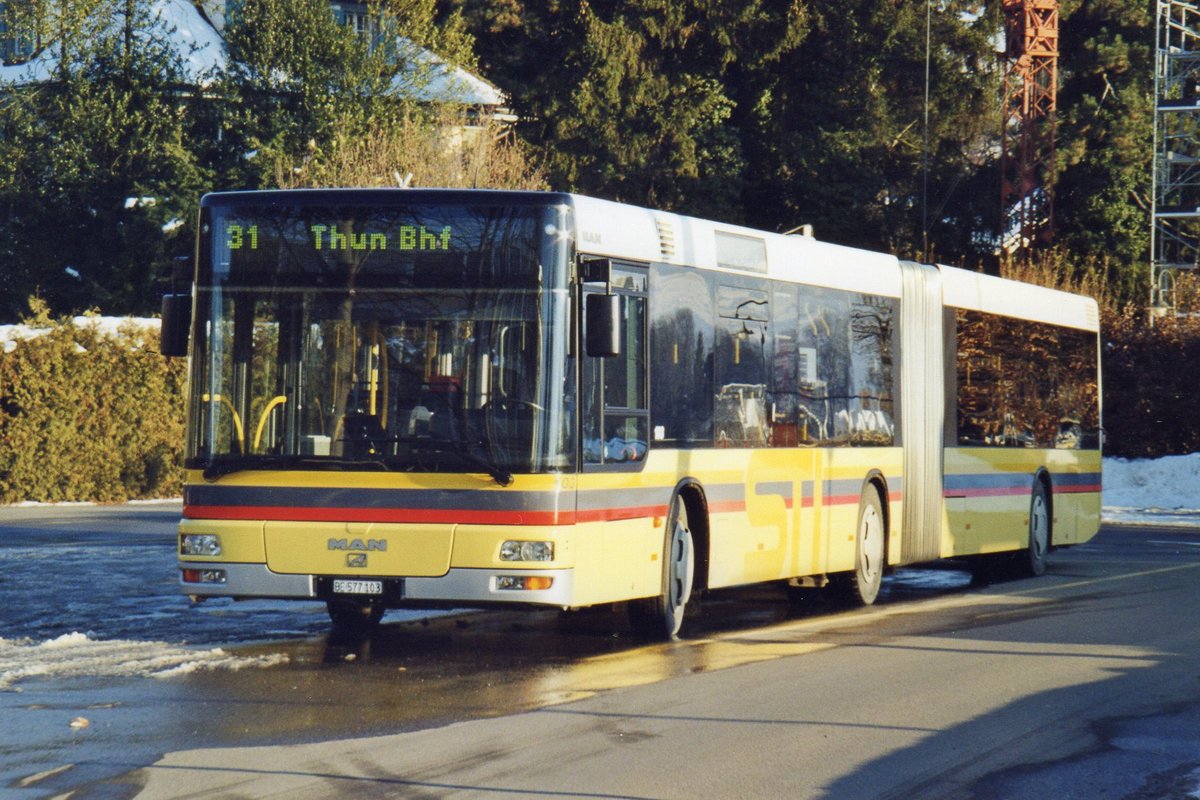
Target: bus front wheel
(661, 617)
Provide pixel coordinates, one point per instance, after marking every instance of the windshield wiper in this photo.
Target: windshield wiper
(499, 474)
(465, 450)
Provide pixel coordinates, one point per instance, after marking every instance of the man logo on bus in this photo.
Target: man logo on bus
(365, 545)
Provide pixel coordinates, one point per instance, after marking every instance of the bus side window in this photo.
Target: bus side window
(682, 330)
(743, 352)
(1025, 384)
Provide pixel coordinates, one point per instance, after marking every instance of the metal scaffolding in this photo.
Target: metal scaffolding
(1027, 135)
(1175, 230)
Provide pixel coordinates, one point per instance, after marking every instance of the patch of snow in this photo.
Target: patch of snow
(79, 655)
(1159, 491)
(197, 43)
(202, 50)
(439, 80)
(12, 335)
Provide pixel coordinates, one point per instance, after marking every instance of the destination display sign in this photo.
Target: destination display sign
(363, 246)
(241, 236)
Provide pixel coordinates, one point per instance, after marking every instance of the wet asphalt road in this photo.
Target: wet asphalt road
(1117, 606)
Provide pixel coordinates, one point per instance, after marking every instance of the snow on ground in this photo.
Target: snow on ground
(1161, 491)
(77, 654)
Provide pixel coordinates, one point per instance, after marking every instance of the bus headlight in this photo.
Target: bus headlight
(200, 544)
(527, 551)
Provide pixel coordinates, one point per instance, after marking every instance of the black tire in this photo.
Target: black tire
(353, 617)
(661, 618)
(861, 586)
(1039, 539)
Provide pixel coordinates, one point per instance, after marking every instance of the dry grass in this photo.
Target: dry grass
(450, 150)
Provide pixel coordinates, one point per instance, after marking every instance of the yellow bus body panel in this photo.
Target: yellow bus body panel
(982, 523)
(323, 548)
(773, 514)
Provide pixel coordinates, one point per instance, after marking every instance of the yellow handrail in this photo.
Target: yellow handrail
(278, 400)
(237, 420)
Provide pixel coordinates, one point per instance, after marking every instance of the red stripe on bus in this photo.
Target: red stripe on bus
(612, 514)
(1081, 489)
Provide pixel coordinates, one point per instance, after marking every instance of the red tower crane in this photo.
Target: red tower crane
(1027, 136)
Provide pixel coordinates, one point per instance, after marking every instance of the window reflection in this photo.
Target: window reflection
(1025, 384)
(764, 363)
(835, 369)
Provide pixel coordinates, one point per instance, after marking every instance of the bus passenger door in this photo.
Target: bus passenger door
(619, 536)
(754, 547)
(794, 430)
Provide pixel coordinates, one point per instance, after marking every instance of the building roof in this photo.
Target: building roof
(202, 49)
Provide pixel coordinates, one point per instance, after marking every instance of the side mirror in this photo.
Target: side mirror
(603, 334)
(596, 270)
(176, 324)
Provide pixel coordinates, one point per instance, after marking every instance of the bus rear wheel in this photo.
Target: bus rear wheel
(861, 586)
(1039, 531)
(661, 617)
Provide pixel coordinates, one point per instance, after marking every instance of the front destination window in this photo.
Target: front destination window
(424, 338)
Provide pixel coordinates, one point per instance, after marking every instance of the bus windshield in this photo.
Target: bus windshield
(381, 337)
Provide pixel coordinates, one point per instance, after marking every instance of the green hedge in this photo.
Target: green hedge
(89, 414)
(1151, 385)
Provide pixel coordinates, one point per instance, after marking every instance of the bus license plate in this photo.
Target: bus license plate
(357, 587)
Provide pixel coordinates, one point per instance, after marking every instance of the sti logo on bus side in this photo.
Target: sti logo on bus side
(366, 545)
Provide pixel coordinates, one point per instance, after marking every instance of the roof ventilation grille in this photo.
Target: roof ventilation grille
(666, 237)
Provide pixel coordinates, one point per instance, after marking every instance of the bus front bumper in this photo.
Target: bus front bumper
(463, 587)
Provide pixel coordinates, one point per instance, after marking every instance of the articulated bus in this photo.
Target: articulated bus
(443, 398)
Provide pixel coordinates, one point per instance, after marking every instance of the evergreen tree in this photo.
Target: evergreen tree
(98, 174)
(1105, 131)
(297, 79)
(764, 111)
(842, 132)
(634, 100)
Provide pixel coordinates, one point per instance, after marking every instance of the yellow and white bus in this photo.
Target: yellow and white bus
(460, 398)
